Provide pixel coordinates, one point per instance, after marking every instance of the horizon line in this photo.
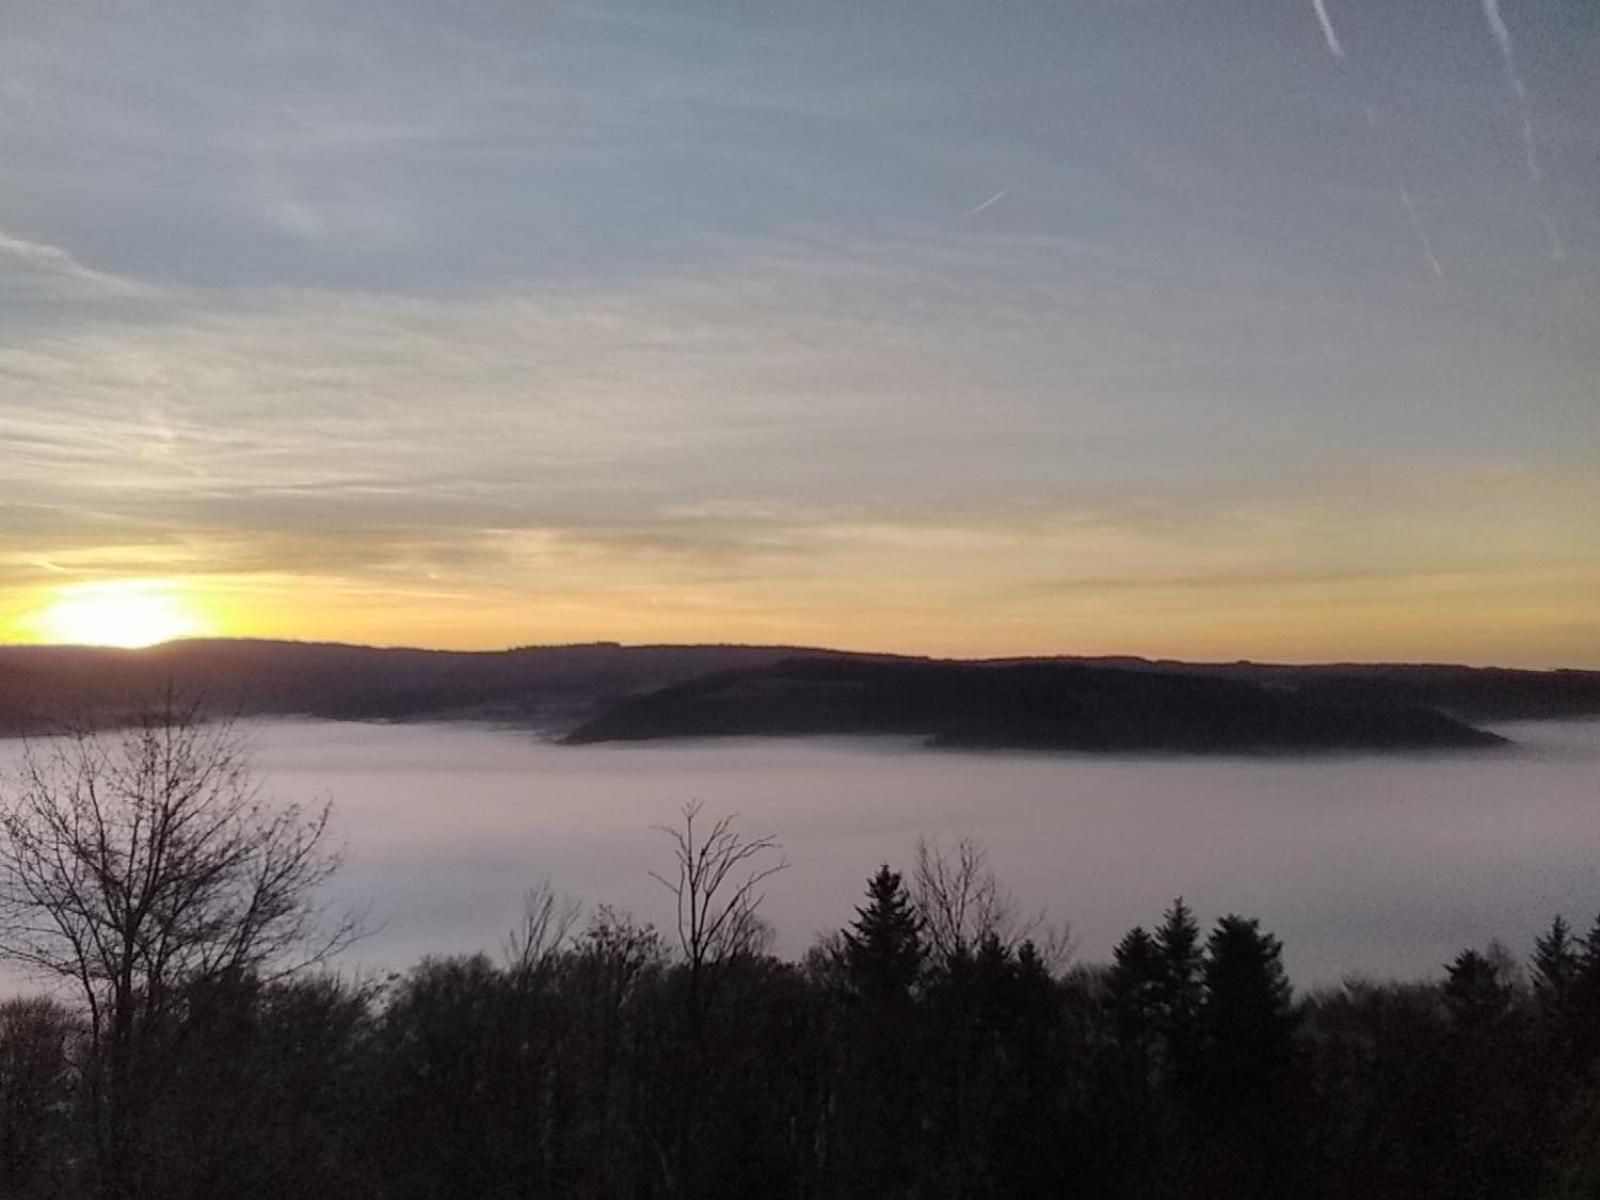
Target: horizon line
(607, 643)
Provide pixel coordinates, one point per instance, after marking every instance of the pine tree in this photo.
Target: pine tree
(1133, 997)
(880, 961)
(1134, 994)
(1491, 1069)
(1586, 1000)
(1249, 1015)
(1476, 996)
(1248, 1066)
(1556, 968)
(883, 951)
(1555, 964)
(1178, 943)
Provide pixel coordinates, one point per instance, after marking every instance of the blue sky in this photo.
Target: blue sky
(959, 327)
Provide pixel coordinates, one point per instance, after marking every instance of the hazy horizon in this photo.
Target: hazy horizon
(514, 647)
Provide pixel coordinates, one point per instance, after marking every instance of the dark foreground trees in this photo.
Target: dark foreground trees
(928, 1050)
(142, 869)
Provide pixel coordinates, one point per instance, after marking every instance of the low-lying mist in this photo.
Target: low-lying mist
(1385, 866)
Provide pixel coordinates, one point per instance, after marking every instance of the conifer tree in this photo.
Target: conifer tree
(1134, 994)
(1556, 967)
(1586, 999)
(1178, 942)
(1249, 1015)
(1248, 1065)
(880, 958)
(1555, 963)
(1476, 996)
(1494, 1150)
(883, 951)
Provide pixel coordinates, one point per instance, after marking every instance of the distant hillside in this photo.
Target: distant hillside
(535, 686)
(1038, 705)
(558, 688)
(1472, 693)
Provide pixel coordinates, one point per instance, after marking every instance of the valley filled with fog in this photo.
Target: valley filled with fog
(1384, 865)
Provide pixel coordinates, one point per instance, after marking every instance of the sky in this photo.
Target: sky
(1169, 327)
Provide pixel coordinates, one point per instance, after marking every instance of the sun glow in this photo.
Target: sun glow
(130, 615)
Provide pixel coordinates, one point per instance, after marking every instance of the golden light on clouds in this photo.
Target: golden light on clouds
(129, 614)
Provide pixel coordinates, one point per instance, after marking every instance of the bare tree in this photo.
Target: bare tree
(717, 888)
(963, 904)
(547, 921)
(135, 864)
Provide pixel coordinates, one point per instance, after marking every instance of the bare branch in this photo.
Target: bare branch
(136, 859)
(717, 886)
(963, 904)
(547, 923)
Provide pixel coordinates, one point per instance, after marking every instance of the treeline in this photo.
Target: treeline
(929, 1049)
(936, 1047)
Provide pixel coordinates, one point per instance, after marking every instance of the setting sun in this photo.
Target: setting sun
(130, 615)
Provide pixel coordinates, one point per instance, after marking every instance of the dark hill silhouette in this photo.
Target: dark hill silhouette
(1472, 693)
(558, 688)
(535, 686)
(1036, 705)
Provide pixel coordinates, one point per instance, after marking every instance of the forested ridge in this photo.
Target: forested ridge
(564, 688)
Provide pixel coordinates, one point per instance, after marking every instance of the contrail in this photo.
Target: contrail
(1336, 48)
(1530, 143)
(1502, 35)
(994, 199)
(1412, 214)
(1422, 233)
(1327, 28)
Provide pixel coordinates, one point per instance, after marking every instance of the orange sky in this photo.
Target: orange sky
(1317, 579)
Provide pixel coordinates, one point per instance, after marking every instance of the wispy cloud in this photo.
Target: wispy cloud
(675, 309)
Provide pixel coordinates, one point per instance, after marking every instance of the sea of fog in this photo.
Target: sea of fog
(1379, 865)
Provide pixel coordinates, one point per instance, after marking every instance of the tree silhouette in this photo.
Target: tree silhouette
(882, 952)
(136, 863)
(1248, 1013)
(880, 959)
(1181, 993)
(1134, 995)
(36, 1035)
(1248, 1020)
(1489, 1058)
(716, 885)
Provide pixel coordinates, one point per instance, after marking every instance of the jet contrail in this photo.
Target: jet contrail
(1502, 36)
(994, 199)
(1422, 233)
(1327, 27)
(1336, 48)
(1497, 26)
(1412, 214)
(1530, 143)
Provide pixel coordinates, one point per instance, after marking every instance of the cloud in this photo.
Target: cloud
(680, 306)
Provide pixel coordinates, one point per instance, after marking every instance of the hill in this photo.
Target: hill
(540, 687)
(562, 688)
(1038, 705)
